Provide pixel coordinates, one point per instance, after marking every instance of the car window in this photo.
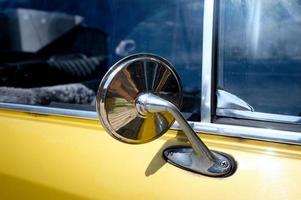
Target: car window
(259, 56)
(54, 53)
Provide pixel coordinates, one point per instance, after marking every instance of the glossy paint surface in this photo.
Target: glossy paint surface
(48, 157)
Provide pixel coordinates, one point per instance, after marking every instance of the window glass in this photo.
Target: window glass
(54, 52)
(259, 58)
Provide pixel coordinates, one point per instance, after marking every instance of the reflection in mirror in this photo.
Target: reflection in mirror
(120, 88)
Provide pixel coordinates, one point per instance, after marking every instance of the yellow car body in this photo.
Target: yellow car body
(56, 157)
(46, 155)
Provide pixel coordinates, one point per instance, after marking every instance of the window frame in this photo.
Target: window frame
(208, 101)
(208, 109)
(239, 114)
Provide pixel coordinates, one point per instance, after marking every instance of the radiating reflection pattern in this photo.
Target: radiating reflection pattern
(127, 79)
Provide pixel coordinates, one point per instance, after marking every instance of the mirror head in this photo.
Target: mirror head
(118, 91)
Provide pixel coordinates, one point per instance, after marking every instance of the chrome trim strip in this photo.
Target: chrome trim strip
(264, 134)
(258, 116)
(49, 110)
(272, 135)
(207, 59)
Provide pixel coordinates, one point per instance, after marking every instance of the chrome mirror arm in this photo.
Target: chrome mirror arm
(200, 159)
(151, 103)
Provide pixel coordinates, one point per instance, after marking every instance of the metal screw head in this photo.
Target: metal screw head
(224, 164)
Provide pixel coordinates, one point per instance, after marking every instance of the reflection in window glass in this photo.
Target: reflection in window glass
(260, 54)
(55, 52)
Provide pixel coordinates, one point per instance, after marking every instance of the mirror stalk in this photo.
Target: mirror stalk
(204, 161)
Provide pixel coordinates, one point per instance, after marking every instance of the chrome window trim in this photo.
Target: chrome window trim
(264, 134)
(251, 115)
(205, 126)
(207, 61)
(243, 114)
(44, 110)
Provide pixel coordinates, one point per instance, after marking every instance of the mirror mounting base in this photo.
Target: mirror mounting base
(184, 157)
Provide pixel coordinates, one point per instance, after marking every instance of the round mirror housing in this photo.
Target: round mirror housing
(117, 104)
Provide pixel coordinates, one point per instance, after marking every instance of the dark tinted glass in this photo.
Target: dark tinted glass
(55, 52)
(259, 56)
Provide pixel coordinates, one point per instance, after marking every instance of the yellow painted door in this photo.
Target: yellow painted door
(49, 157)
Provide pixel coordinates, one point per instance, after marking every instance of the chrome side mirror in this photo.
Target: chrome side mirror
(139, 99)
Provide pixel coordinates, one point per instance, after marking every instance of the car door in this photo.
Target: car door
(238, 62)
